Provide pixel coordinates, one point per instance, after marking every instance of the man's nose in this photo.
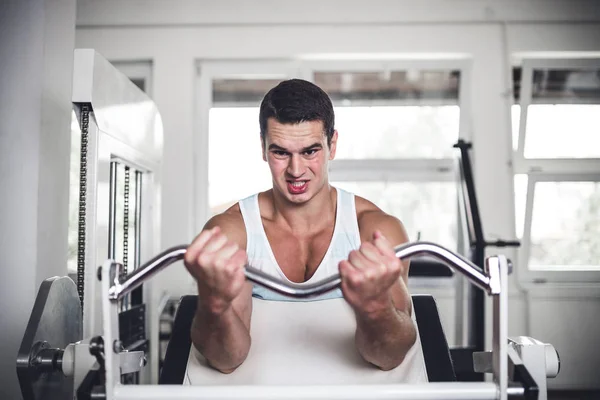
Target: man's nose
(295, 166)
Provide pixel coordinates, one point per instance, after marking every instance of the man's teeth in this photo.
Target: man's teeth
(298, 184)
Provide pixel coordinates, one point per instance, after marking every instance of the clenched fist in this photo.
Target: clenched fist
(217, 264)
(369, 273)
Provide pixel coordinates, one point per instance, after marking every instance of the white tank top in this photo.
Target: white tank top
(345, 238)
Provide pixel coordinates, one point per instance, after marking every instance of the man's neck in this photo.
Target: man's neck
(307, 217)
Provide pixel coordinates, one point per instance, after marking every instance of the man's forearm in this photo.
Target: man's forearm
(222, 339)
(385, 338)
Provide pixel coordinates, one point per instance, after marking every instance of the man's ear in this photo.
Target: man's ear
(333, 146)
(262, 148)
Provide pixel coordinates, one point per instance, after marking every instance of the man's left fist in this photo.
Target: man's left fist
(368, 274)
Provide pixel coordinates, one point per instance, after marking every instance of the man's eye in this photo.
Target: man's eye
(310, 152)
(280, 153)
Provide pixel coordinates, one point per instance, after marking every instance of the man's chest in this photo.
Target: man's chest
(298, 257)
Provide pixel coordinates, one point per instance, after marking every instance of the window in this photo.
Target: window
(562, 113)
(557, 167)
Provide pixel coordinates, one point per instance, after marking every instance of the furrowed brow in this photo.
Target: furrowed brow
(314, 146)
(276, 148)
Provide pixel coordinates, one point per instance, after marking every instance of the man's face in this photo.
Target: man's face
(298, 157)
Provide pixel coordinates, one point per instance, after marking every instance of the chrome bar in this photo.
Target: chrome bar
(451, 259)
(292, 289)
(158, 263)
(147, 271)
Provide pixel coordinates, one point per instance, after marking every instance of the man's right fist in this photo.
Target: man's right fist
(217, 264)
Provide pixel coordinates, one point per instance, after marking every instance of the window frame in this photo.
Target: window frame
(548, 170)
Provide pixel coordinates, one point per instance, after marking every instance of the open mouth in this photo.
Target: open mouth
(297, 187)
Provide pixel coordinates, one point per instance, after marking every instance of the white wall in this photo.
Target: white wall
(176, 34)
(37, 38)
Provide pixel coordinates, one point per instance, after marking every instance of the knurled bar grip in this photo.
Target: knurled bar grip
(164, 259)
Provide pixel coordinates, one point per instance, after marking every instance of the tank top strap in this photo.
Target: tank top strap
(252, 221)
(348, 224)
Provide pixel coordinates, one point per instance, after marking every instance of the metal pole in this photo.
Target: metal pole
(112, 215)
(137, 295)
(497, 268)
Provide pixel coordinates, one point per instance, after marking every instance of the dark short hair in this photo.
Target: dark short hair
(295, 101)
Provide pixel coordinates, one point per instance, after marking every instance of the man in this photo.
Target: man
(302, 229)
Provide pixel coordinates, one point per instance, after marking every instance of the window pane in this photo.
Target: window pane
(563, 131)
(520, 200)
(344, 88)
(241, 92)
(428, 210)
(236, 168)
(397, 131)
(565, 226)
(515, 115)
(566, 86)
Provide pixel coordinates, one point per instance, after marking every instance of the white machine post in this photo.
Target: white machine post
(110, 313)
(497, 269)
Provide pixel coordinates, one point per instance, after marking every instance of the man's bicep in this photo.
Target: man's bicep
(231, 225)
(391, 227)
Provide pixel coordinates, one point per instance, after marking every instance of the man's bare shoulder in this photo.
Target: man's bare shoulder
(231, 224)
(371, 218)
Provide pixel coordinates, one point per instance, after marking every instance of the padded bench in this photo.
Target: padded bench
(433, 341)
